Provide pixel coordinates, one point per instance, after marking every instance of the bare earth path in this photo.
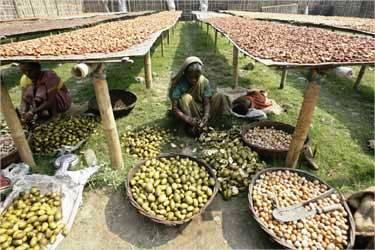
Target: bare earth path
(108, 221)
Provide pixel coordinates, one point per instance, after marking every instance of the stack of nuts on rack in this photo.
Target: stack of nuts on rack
(6, 142)
(103, 38)
(295, 44)
(234, 163)
(269, 138)
(51, 136)
(321, 231)
(32, 221)
(173, 188)
(145, 143)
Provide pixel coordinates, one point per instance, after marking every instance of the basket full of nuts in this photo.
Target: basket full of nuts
(285, 189)
(269, 138)
(171, 189)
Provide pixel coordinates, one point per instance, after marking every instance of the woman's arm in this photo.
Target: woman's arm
(50, 104)
(206, 112)
(180, 115)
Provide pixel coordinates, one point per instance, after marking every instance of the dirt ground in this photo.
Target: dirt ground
(108, 221)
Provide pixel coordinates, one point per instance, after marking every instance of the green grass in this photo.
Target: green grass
(343, 119)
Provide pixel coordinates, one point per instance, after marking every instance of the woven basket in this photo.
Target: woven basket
(135, 169)
(309, 177)
(265, 152)
(13, 157)
(128, 98)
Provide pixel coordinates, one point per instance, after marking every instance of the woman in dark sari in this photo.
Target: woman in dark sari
(46, 96)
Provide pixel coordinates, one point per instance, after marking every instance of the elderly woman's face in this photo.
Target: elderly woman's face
(30, 72)
(193, 78)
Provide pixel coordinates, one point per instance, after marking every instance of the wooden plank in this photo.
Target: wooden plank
(162, 44)
(304, 120)
(283, 77)
(15, 127)
(235, 67)
(106, 114)
(359, 78)
(148, 70)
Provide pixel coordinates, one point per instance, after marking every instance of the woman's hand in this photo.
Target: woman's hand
(28, 116)
(204, 122)
(193, 121)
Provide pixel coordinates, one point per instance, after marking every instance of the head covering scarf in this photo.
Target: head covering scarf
(177, 77)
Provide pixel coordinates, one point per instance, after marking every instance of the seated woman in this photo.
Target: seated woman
(43, 93)
(193, 99)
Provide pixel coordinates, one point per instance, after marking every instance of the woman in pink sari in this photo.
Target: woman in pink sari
(46, 96)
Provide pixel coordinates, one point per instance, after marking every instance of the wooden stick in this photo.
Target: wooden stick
(235, 66)
(215, 50)
(304, 120)
(283, 77)
(15, 127)
(359, 78)
(162, 44)
(148, 70)
(106, 114)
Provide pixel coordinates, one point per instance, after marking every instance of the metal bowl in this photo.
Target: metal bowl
(126, 97)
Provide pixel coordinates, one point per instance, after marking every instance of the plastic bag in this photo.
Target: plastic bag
(69, 183)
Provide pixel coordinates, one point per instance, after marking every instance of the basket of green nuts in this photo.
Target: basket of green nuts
(269, 138)
(171, 189)
(285, 189)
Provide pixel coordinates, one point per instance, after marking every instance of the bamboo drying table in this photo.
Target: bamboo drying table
(24, 27)
(101, 92)
(311, 93)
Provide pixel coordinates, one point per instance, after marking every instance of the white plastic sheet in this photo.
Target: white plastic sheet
(69, 183)
(122, 6)
(203, 5)
(171, 5)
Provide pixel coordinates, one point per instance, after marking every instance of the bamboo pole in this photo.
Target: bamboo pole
(235, 66)
(15, 127)
(283, 77)
(106, 114)
(162, 44)
(215, 50)
(304, 120)
(359, 78)
(148, 70)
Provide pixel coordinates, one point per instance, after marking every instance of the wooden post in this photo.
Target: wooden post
(106, 114)
(359, 78)
(148, 70)
(215, 49)
(168, 37)
(207, 28)
(283, 77)
(235, 66)
(162, 44)
(304, 120)
(15, 127)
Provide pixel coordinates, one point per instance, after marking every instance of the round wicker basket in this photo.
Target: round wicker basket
(308, 176)
(135, 169)
(266, 152)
